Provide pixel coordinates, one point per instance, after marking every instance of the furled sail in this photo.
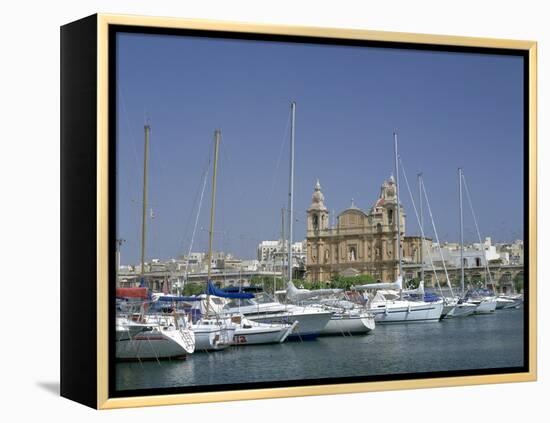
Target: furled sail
(174, 298)
(295, 294)
(398, 284)
(211, 289)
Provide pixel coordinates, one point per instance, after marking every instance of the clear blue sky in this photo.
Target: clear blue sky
(450, 109)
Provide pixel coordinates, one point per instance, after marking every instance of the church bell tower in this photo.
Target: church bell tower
(317, 213)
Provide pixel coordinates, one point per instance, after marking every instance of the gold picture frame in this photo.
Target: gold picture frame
(100, 360)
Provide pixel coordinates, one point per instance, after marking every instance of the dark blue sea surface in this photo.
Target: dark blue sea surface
(474, 342)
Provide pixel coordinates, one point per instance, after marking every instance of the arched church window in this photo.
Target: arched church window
(315, 222)
(390, 217)
(352, 253)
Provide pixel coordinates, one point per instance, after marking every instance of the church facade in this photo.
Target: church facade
(360, 242)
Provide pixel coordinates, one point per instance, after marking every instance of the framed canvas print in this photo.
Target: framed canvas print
(253, 211)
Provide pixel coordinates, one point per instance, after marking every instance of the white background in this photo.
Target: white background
(29, 208)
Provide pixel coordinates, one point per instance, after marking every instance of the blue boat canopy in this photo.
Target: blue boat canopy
(211, 289)
(242, 289)
(178, 298)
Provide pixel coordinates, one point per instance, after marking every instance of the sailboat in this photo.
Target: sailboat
(509, 301)
(219, 329)
(143, 336)
(485, 301)
(449, 304)
(248, 332)
(388, 304)
(152, 339)
(506, 302)
(212, 332)
(347, 318)
(462, 308)
(454, 306)
(308, 321)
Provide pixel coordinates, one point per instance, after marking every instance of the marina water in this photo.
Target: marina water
(475, 342)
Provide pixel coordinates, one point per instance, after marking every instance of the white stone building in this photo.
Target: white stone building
(273, 255)
(474, 255)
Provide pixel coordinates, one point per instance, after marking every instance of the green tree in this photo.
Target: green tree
(413, 283)
(346, 282)
(194, 288)
(518, 282)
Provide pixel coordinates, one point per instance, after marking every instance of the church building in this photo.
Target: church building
(360, 242)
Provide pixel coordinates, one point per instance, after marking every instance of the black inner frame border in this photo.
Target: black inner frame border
(113, 30)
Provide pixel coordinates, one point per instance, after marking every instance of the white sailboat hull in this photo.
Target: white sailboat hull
(308, 325)
(486, 305)
(504, 303)
(248, 332)
(310, 321)
(447, 309)
(155, 345)
(212, 338)
(407, 311)
(260, 335)
(516, 304)
(462, 310)
(346, 324)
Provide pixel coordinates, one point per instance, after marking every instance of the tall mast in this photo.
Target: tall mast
(481, 245)
(421, 227)
(283, 249)
(461, 231)
(119, 242)
(217, 136)
(398, 205)
(291, 188)
(147, 129)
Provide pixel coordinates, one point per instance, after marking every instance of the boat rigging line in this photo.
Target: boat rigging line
(198, 193)
(422, 234)
(437, 237)
(469, 198)
(284, 140)
(205, 177)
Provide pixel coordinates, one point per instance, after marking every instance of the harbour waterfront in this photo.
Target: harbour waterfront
(476, 342)
(362, 267)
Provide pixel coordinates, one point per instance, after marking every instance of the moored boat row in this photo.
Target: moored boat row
(170, 326)
(180, 329)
